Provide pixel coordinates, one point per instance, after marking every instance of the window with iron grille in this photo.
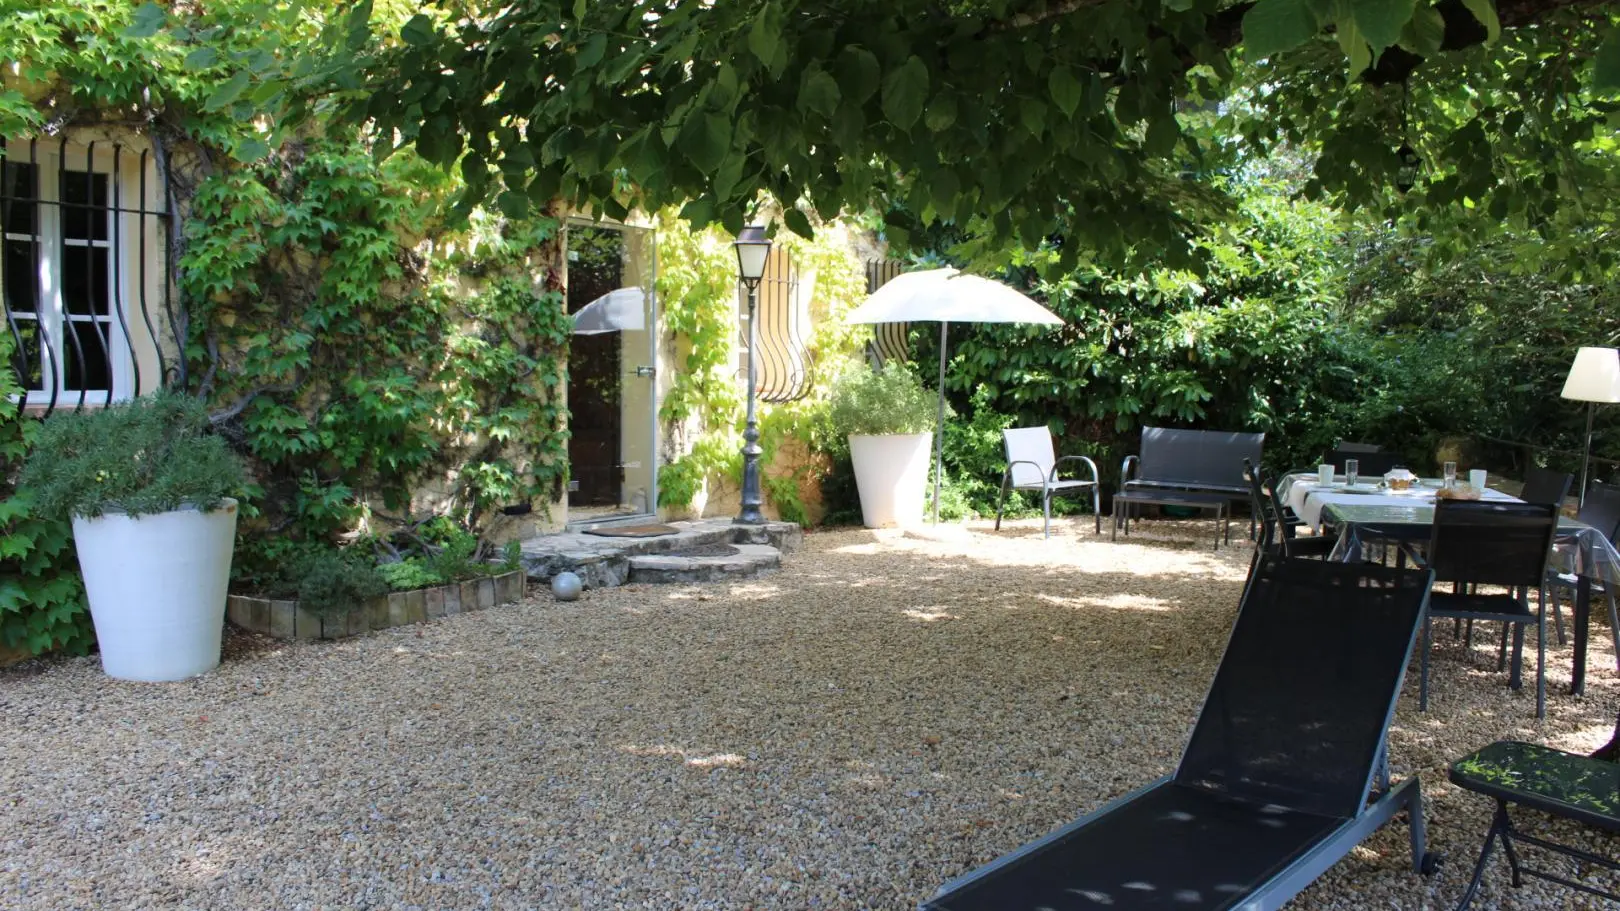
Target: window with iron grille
(782, 363)
(80, 258)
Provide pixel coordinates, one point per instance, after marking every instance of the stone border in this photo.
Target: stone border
(283, 619)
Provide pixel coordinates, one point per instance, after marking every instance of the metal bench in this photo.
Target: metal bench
(1220, 504)
(1187, 468)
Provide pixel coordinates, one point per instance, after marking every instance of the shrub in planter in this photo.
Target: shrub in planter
(332, 583)
(147, 485)
(885, 418)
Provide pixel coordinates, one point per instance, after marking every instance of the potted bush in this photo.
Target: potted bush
(147, 485)
(886, 418)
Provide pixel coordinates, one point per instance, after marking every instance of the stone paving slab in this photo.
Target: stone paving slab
(749, 561)
(606, 562)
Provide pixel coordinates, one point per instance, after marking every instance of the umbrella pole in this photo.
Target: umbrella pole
(939, 443)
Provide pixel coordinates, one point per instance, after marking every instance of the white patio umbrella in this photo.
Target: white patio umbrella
(947, 296)
(619, 310)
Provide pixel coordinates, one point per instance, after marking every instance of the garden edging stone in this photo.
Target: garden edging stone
(283, 619)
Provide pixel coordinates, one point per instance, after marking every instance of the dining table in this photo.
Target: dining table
(1368, 516)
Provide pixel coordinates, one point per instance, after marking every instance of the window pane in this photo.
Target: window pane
(84, 205)
(20, 277)
(94, 371)
(17, 211)
(84, 280)
(28, 358)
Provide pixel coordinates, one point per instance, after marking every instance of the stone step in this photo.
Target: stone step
(706, 563)
(605, 562)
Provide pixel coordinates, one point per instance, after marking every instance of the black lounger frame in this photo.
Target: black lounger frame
(1381, 802)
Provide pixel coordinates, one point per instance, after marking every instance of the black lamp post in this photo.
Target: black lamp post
(752, 249)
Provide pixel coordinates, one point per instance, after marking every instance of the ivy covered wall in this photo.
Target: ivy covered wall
(702, 409)
(381, 355)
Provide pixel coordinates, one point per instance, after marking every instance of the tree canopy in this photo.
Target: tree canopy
(1095, 125)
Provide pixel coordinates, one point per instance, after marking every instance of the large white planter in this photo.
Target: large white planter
(891, 473)
(157, 587)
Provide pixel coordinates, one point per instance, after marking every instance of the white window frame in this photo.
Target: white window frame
(51, 158)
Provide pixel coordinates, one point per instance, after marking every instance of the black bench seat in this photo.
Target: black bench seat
(1191, 463)
(1216, 503)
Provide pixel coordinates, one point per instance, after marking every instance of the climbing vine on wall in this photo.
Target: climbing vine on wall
(354, 366)
(42, 603)
(704, 404)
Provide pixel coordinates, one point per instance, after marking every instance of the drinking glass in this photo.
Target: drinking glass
(1449, 472)
(1351, 467)
(1324, 475)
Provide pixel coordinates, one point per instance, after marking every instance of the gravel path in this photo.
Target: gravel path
(889, 710)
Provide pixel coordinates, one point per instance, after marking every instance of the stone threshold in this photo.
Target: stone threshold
(284, 619)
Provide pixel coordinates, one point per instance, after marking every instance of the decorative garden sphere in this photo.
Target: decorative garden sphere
(566, 587)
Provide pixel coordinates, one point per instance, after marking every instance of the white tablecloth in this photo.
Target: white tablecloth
(1306, 497)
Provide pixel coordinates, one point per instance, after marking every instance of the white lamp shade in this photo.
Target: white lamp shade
(752, 249)
(1595, 376)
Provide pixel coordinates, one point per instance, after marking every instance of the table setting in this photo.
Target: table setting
(1370, 513)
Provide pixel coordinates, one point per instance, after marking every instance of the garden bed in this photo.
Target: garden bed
(284, 619)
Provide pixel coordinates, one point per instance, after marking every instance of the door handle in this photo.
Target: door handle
(646, 371)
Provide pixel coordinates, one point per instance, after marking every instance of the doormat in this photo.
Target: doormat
(704, 550)
(632, 531)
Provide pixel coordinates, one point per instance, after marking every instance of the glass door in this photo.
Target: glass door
(612, 389)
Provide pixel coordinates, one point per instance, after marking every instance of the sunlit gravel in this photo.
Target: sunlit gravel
(887, 712)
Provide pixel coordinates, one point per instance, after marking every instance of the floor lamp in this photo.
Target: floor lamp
(1593, 378)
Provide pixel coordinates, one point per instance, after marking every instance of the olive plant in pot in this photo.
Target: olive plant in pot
(885, 417)
(148, 487)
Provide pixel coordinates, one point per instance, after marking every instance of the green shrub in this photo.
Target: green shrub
(152, 455)
(874, 402)
(42, 605)
(331, 583)
(409, 574)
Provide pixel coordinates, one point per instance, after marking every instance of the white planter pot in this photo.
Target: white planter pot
(891, 473)
(157, 587)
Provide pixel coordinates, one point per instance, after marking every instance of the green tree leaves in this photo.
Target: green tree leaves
(905, 90)
(1273, 26)
(819, 91)
(1381, 22)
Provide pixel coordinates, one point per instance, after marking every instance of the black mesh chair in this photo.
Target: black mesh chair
(1265, 539)
(1543, 485)
(1601, 511)
(1285, 772)
(1368, 464)
(1478, 543)
(1278, 526)
(1292, 544)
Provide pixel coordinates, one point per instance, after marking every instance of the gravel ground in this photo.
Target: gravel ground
(888, 711)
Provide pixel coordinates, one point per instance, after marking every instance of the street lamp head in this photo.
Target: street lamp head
(752, 249)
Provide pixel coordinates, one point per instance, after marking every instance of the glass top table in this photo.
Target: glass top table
(1368, 518)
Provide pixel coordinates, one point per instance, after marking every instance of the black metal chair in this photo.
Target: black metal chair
(1499, 544)
(1288, 525)
(1347, 446)
(1278, 526)
(1601, 511)
(1368, 464)
(1285, 773)
(1543, 485)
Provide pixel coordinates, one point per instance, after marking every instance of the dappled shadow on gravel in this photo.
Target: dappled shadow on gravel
(889, 710)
